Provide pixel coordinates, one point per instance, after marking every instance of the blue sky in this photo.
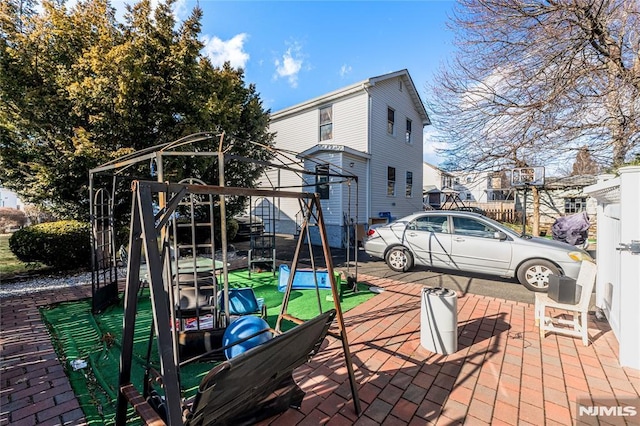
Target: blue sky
(297, 50)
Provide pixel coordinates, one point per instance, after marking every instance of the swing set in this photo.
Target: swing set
(182, 273)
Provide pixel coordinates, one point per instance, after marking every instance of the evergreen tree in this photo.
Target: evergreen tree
(78, 89)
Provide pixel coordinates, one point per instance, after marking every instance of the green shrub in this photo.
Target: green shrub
(232, 229)
(64, 244)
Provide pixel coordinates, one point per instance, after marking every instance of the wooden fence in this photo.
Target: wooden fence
(503, 215)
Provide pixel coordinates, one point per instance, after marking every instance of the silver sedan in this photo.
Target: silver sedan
(465, 241)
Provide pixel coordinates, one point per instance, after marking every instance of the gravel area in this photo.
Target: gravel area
(43, 283)
(48, 282)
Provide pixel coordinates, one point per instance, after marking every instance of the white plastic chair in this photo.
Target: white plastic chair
(578, 326)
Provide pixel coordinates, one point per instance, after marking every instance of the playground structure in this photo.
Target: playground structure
(109, 183)
(175, 229)
(147, 230)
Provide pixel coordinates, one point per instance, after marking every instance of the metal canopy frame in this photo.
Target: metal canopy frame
(104, 273)
(104, 277)
(148, 236)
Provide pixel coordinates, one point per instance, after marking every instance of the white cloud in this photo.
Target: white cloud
(344, 70)
(430, 146)
(290, 65)
(181, 10)
(220, 51)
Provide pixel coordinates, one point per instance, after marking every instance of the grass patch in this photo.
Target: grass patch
(78, 334)
(11, 267)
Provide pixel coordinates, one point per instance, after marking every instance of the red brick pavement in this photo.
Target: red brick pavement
(502, 373)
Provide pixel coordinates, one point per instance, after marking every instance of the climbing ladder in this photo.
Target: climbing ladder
(194, 282)
(263, 246)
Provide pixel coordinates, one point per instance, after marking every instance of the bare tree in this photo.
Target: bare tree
(534, 81)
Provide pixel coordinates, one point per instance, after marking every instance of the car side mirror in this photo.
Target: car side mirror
(499, 235)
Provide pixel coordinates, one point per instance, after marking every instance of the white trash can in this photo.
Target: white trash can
(439, 320)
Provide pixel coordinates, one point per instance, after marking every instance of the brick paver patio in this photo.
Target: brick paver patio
(502, 373)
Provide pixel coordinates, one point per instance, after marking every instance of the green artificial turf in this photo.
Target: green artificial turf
(77, 334)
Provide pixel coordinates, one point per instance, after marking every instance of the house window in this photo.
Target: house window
(575, 205)
(322, 181)
(468, 196)
(469, 179)
(391, 181)
(407, 134)
(409, 184)
(446, 182)
(326, 123)
(391, 119)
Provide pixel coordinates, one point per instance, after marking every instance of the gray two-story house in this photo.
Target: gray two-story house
(364, 145)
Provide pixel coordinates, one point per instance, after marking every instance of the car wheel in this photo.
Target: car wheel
(534, 274)
(399, 259)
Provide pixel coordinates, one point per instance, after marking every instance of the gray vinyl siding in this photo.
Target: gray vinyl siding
(301, 131)
(331, 208)
(341, 205)
(359, 122)
(360, 188)
(286, 209)
(392, 150)
(350, 122)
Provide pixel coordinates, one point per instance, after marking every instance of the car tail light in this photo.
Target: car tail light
(370, 232)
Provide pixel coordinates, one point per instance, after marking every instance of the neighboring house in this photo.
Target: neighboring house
(472, 187)
(492, 191)
(482, 187)
(370, 131)
(562, 196)
(10, 199)
(434, 181)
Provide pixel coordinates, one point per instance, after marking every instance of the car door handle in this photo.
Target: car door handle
(458, 239)
(413, 234)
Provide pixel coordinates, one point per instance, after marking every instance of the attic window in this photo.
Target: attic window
(326, 123)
